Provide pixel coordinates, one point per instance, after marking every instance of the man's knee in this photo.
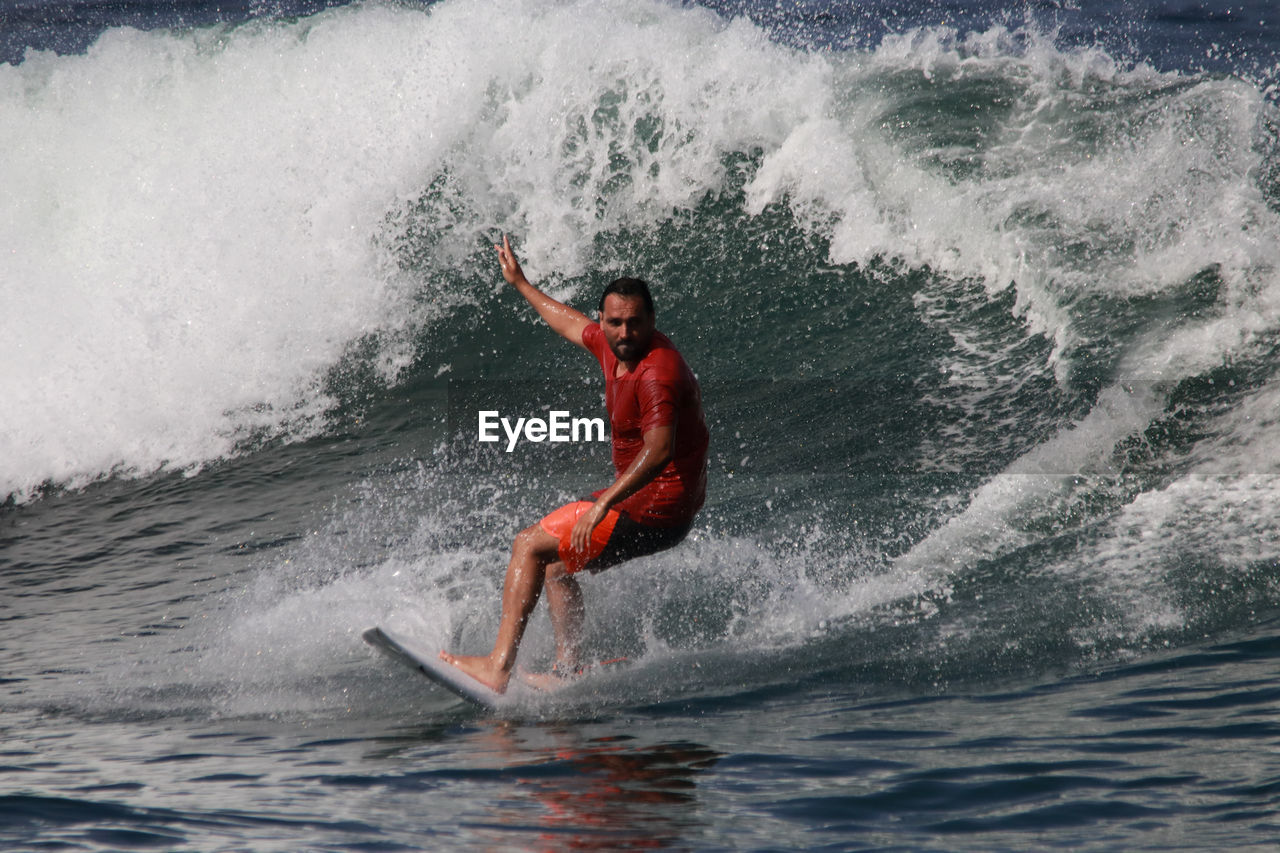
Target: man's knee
(558, 572)
(536, 542)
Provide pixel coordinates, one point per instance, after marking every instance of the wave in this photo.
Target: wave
(1058, 267)
(204, 225)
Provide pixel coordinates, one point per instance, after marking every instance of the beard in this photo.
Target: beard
(628, 351)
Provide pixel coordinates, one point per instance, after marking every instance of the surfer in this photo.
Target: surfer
(660, 440)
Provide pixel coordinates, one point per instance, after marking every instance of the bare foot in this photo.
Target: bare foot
(548, 682)
(482, 668)
(560, 675)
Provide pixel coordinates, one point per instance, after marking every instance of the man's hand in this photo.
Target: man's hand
(563, 320)
(659, 449)
(507, 260)
(580, 536)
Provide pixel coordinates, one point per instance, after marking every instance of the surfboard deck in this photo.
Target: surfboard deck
(426, 662)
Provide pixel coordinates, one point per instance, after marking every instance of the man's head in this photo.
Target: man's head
(626, 316)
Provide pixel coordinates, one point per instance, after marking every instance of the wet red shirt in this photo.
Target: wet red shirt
(661, 391)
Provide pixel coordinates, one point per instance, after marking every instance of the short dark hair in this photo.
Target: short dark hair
(628, 287)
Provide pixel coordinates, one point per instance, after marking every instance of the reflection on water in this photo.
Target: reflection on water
(579, 792)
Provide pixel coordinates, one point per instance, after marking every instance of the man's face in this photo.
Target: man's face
(628, 327)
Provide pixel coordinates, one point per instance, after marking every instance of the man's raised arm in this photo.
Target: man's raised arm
(563, 320)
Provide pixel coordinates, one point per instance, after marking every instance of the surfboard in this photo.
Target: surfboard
(425, 661)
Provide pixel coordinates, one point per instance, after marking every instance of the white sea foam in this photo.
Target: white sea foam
(1097, 179)
(194, 226)
(260, 647)
(1213, 526)
(187, 227)
(1062, 205)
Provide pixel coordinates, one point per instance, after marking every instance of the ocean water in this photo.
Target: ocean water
(985, 304)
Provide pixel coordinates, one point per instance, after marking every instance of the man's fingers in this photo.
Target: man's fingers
(506, 257)
(580, 536)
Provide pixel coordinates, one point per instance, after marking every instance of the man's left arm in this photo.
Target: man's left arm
(658, 450)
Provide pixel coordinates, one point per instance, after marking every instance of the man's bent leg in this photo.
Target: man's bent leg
(531, 552)
(564, 602)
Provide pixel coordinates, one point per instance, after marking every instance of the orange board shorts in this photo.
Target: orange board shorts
(616, 537)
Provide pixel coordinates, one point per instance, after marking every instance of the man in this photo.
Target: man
(660, 455)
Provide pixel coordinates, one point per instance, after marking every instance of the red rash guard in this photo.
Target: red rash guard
(661, 391)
